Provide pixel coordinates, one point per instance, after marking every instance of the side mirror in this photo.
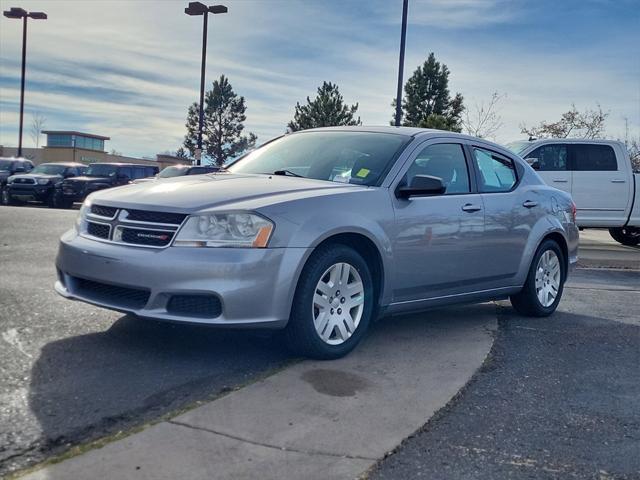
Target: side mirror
(534, 162)
(422, 185)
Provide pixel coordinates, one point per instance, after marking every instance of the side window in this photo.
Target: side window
(71, 172)
(199, 170)
(497, 173)
(126, 172)
(139, 172)
(590, 158)
(82, 170)
(551, 158)
(445, 161)
(150, 171)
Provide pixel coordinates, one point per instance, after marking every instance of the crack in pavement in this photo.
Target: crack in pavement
(267, 445)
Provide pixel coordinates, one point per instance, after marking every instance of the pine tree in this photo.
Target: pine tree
(326, 110)
(427, 102)
(224, 116)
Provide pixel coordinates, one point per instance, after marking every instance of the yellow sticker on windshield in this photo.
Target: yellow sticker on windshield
(363, 172)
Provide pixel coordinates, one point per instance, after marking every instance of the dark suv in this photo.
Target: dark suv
(12, 166)
(40, 183)
(100, 176)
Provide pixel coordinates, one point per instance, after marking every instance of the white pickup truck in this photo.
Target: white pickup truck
(599, 177)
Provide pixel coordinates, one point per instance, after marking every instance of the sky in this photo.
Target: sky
(129, 69)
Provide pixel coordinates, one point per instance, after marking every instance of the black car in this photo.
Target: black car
(100, 176)
(181, 170)
(12, 166)
(41, 184)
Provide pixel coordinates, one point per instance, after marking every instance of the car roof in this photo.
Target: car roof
(66, 164)
(594, 141)
(123, 164)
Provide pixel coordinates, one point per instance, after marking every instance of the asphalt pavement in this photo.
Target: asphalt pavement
(558, 398)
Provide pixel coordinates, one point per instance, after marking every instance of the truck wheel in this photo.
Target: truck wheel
(333, 304)
(55, 200)
(5, 198)
(545, 282)
(629, 236)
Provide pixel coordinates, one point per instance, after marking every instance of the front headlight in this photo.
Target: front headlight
(42, 181)
(9, 180)
(236, 229)
(80, 219)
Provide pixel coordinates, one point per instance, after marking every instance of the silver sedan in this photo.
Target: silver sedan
(321, 232)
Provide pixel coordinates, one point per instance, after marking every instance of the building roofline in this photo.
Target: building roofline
(73, 132)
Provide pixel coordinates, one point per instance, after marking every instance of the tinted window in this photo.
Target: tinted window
(71, 172)
(101, 170)
(125, 172)
(200, 170)
(151, 171)
(497, 173)
(551, 157)
(445, 161)
(139, 172)
(362, 158)
(593, 158)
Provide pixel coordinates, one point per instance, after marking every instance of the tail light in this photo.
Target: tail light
(574, 211)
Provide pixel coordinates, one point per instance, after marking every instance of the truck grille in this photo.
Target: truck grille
(143, 228)
(24, 181)
(114, 295)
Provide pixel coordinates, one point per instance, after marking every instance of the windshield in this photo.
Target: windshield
(173, 172)
(49, 169)
(101, 170)
(362, 158)
(517, 147)
(5, 164)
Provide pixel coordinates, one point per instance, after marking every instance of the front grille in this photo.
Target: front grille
(114, 295)
(99, 230)
(201, 306)
(25, 181)
(137, 236)
(155, 217)
(102, 211)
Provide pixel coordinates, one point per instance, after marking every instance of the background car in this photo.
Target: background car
(99, 176)
(180, 170)
(42, 184)
(321, 231)
(11, 166)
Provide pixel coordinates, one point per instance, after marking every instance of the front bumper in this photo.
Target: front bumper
(255, 286)
(30, 191)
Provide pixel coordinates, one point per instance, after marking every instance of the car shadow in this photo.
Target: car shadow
(94, 385)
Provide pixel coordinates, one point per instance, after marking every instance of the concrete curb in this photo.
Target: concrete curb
(314, 420)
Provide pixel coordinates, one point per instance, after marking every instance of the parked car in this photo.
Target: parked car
(100, 176)
(598, 175)
(180, 170)
(321, 231)
(41, 184)
(11, 166)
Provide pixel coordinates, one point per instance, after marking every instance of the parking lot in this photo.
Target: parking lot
(72, 373)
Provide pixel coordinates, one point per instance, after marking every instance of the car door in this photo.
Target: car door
(509, 215)
(551, 161)
(437, 239)
(601, 188)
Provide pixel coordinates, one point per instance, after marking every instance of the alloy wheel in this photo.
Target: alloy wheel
(548, 273)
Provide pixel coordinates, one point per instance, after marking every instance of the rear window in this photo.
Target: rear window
(590, 158)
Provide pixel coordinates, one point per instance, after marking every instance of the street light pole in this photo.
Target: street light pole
(197, 8)
(17, 13)
(403, 38)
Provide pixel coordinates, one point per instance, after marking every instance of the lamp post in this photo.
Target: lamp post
(403, 37)
(195, 9)
(20, 13)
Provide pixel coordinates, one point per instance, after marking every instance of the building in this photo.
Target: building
(72, 146)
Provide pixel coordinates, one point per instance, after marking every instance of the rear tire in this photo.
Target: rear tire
(629, 236)
(333, 304)
(545, 282)
(5, 197)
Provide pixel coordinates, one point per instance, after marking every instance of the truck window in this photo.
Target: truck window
(593, 158)
(551, 158)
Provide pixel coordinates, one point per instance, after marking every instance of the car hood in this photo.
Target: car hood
(37, 176)
(83, 179)
(199, 192)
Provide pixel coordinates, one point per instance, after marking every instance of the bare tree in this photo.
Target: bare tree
(587, 124)
(37, 125)
(633, 147)
(115, 152)
(484, 120)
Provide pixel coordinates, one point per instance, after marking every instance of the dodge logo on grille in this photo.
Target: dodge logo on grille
(155, 236)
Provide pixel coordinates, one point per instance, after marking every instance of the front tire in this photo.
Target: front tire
(333, 304)
(543, 289)
(5, 197)
(629, 236)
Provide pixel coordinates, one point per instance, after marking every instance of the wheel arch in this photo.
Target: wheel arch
(559, 238)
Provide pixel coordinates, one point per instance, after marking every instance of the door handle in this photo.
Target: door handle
(558, 180)
(530, 204)
(469, 207)
(618, 181)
